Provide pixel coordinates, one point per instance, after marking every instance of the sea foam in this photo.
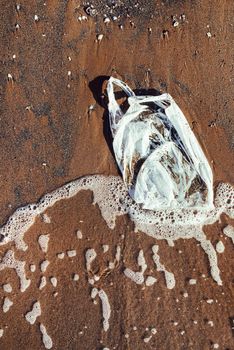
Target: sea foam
(111, 195)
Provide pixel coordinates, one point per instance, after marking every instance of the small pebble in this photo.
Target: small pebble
(75, 277)
(32, 268)
(210, 301)
(192, 281)
(100, 37)
(7, 288)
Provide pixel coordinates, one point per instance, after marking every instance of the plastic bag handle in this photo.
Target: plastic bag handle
(115, 112)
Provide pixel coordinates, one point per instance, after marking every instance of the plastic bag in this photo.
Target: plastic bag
(161, 161)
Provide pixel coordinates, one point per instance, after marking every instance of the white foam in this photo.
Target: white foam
(90, 256)
(79, 234)
(42, 282)
(32, 315)
(71, 253)
(170, 243)
(220, 247)
(137, 277)
(113, 264)
(105, 248)
(94, 293)
(9, 261)
(106, 309)
(46, 218)
(54, 281)
(7, 304)
(112, 197)
(169, 276)
(32, 268)
(229, 232)
(192, 281)
(47, 341)
(141, 261)
(7, 288)
(1, 332)
(43, 241)
(150, 281)
(44, 265)
(118, 254)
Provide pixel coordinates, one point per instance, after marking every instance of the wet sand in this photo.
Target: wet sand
(52, 71)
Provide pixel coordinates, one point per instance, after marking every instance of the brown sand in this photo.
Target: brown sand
(48, 137)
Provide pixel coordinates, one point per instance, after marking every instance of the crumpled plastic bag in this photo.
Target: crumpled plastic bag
(161, 161)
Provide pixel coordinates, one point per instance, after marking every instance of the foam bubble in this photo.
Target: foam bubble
(54, 281)
(7, 288)
(106, 309)
(7, 303)
(44, 265)
(105, 248)
(47, 341)
(136, 277)
(169, 276)
(150, 280)
(9, 261)
(229, 232)
(118, 254)
(90, 256)
(42, 282)
(46, 218)
(220, 247)
(43, 241)
(32, 268)
(71, 253)
(79, 234)
(32, 315)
